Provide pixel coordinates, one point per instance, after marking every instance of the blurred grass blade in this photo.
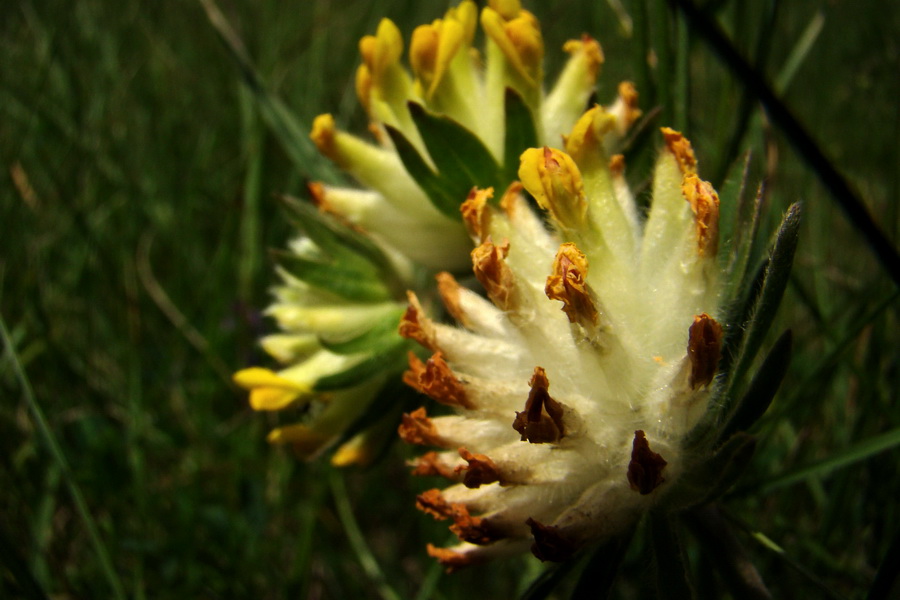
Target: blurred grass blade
(357, 540)
(668, 560)
(803, 143)
(15, 567)
(724, 551)
(887, 580)
(854, 454)
(800, 52)
(292, 135)
(106, 566)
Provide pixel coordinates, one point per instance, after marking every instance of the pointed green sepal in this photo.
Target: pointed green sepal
(381, 336)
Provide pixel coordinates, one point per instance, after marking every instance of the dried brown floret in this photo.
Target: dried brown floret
(417, 428)
(629, 95)
(449, 289)
(704, 349)
(481, 470)
(510, 198)
(646, 466)
(567, 284)
(617, 164)
(432, 503)
(704, 203)
(489, 265)
(435, 379)
(549, 544)
(681, 149)
(449, 558)
(541, 422)
(414, 325)
(430, 464)
(476, 213)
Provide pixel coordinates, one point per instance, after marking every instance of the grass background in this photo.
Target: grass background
(135, 212)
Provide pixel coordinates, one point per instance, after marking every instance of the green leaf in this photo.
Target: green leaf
(720, 545)
(856, 453)
(762, 388)
(668, 560)
(441, 197)
(335, 277)
(353, 251)
(520, 135)
(461, 158)
(762, 302)
(385, 361)
(380, 336)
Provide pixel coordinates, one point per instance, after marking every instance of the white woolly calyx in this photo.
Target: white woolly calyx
(576, 381)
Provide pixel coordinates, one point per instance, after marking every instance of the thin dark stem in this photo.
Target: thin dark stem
(837, 185)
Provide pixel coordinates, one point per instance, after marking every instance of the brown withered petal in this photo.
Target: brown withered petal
(549, 544)
(681, 149)
(704, 349)
(646, 466)
(476, 213)
(481, 470)
(704, 203)
(541, 422)
(474, 530)
(435, 379)
(628, 94)
(432, 503)
(417, 428)
(452, 560)
(449, 290)
(508, 201)
(413, 324)
(617, 164)
(567, 284)
(429, 464)
(489, 265)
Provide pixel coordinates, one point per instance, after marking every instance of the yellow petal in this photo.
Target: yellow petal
(268, 390)
(553, 178)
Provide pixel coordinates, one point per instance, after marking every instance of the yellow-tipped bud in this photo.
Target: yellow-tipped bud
(590, 50)
(519, 38)
(553, 178)
(586, 139)
(508, 9)
(322, 135)
(431, 50)
(466, 14)
(379, 52)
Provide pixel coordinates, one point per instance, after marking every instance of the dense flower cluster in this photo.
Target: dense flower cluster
(577, 375)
